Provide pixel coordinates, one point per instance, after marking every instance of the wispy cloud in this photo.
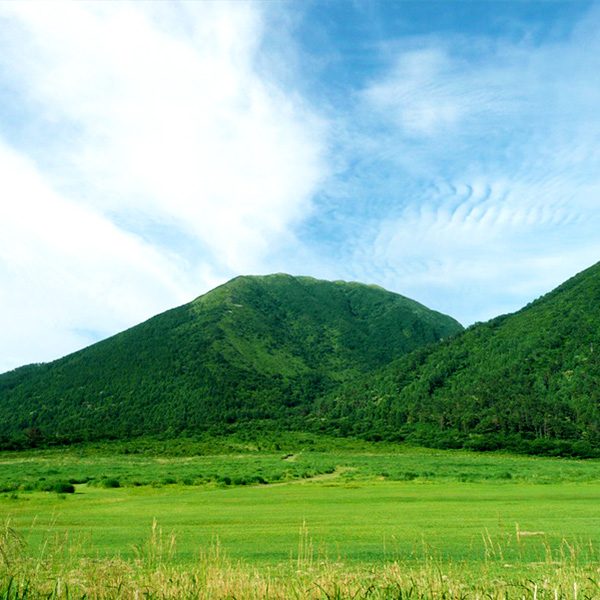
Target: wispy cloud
(149, 151)
(493, 169)
(164, 159)
(178, 126)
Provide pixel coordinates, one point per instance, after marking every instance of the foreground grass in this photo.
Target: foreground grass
(372, 522)
(62, 573)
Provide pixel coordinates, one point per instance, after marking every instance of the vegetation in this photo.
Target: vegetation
(527, 382)
(258, 349)
(139, 463)
(462, 525)
(155, 574)
(282, 356)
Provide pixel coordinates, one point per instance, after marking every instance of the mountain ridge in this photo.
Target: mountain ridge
(282, 353)
(258, 348)
(527, 381)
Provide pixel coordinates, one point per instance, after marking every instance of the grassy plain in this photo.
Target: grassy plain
(362, 518)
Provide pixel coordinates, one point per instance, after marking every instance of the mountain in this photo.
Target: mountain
(256, 350)
(529, 382)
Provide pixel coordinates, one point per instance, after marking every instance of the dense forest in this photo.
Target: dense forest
(527, 382)
(278, 353)
(257, 350)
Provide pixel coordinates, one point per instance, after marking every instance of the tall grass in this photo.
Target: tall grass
(67, 569)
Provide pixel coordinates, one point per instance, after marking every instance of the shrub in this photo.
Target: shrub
(583, 449)
(63, 487)
(76, 480)
(110, 483)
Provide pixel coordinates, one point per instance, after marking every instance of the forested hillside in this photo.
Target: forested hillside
(257, 350)
(529, 382)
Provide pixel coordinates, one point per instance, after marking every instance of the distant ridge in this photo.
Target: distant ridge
(257, 351)
(528, 382)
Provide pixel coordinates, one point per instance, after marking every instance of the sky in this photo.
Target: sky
(448, 151)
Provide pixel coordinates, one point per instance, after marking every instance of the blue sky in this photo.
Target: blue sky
(447, 151)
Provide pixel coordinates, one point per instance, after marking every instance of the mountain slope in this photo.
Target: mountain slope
(529, 381)
(257, 349)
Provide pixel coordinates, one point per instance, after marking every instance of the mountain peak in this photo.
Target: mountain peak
(257, 348)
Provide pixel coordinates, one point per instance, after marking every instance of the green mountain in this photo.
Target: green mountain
(528, 381)
(256, 350)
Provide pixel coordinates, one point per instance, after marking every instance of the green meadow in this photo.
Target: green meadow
(370, 521)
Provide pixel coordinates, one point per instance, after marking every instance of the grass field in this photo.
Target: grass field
(300, 523)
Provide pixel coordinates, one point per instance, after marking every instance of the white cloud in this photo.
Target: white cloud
(416, 95)
(497, 170)
(155, 150)
(66, 271)
(153, 135)
(181, 127)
